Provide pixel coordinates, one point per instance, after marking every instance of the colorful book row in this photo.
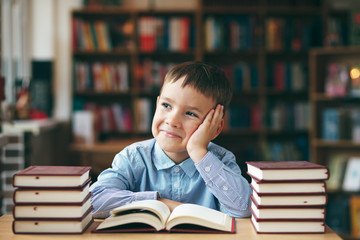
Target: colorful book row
(101, 77)
(296, 149)
(99, 35)
(341, 123)
(288, 116)
(175, 34)
(288, 76)
(292, 33)
(342, 80)
(231, 33)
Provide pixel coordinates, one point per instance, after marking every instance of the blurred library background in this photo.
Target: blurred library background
(79, 81)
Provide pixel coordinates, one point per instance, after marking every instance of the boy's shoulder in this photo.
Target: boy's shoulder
(217, 149)
(148, 143)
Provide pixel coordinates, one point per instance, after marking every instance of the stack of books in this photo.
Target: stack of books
(52, 199)
(288, 196)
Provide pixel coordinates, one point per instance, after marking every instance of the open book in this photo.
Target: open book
(153, 215)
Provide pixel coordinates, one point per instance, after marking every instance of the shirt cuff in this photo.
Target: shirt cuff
(209, 166)
(148, 195)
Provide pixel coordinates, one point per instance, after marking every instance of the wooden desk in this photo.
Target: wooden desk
(99, 155)
(244, 231)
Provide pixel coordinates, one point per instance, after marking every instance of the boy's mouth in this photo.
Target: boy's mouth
(169, 134)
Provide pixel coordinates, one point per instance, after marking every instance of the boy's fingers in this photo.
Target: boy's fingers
(218, 113)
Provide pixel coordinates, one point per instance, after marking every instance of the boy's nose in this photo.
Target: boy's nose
(173, 119)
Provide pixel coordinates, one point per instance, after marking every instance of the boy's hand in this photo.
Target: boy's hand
(170, 203)
(208, 130)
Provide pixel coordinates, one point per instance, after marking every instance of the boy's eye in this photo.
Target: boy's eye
(166, 105)
(192, 114)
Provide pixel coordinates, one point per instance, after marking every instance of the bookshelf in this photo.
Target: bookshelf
(333, 137)
(129, 50)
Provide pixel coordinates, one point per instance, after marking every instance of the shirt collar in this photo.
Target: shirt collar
(162, 161)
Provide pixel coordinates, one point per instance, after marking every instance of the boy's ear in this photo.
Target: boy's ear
(220, 128)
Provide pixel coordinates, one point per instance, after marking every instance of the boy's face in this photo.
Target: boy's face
(179, 112)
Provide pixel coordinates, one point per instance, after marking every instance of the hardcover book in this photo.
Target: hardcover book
(287, 170)
(286, 212)
(49, 226)
(52, 176)
(52, 210)
(288, 226)
(288, 187)
(51, 195)
(154, 216)
(289, 199)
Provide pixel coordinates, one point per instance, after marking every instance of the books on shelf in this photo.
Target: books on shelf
(154, 216)
(337, 79)
(52, 199)
(101, 77)
(341, 123)
(101, 35)
(351, 181)
(288, 196)
(337, 165)
(173, 34)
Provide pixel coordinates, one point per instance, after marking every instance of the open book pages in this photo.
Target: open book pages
(199, 215)
(157, 215)
(152, 212)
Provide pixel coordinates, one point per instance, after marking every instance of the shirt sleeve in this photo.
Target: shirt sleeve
(225, 181)
(113, 187)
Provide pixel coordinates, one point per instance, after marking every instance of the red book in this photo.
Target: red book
(56, 211)
(50, 226)
(51, 195)
(288, 226)
(52, 176)
(288, 187)
(287, 171)
(289, 199)
(287, 212)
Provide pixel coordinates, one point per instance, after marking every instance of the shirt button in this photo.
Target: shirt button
(176, 184)
(207, 169)
(225, 188)
(176, 169)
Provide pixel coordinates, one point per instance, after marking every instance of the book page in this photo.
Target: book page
(155, 206)
(199, 215)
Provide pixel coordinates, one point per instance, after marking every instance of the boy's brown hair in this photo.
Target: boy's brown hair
(207, 78)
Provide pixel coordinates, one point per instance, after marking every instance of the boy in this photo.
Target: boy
(180, 164)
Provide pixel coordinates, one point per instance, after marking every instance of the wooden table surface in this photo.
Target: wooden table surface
(244, 231)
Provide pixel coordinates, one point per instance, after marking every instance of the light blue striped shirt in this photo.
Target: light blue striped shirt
(142, 170)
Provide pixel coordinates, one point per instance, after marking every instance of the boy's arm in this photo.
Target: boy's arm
(222, 177)
(225, 181)
(114, 187)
